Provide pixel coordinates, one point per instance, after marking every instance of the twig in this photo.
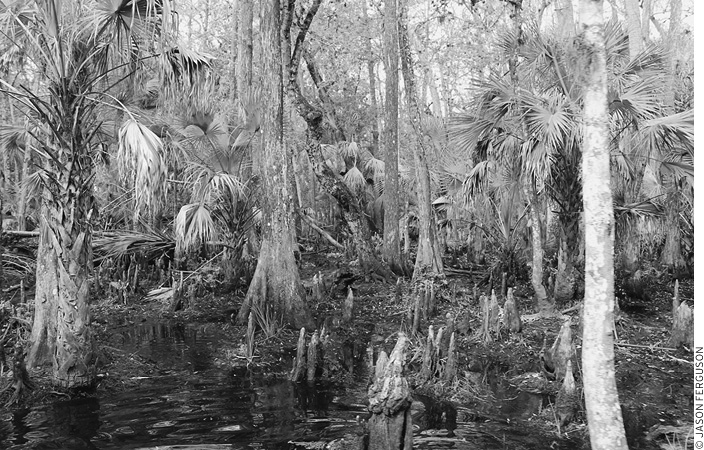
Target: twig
(21, 234)
(683, 361)
(649, 347)
(573, 308)
(11, 288)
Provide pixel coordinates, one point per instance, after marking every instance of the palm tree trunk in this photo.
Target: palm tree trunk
(392, 243)
(606, 429)
(276, 290)
(671, 255)
(544, 305)
(428, 258)
(61, 333)
(569, 258)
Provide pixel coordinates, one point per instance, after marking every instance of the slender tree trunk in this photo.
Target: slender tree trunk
(606, 429)
(645, 20)
(234, 44)
(2, 226)
(672, 37)
(392, 243)
(372, 83)
(245, 49)
(434, 93)
(564, 19)
(276, 288)
(428, 258)
(635, 32)
(545, 306)
(22, 190)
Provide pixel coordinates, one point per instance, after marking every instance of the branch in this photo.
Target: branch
(322, 91)
(300, 39)
(309, 221)
(21, 234)
(310, 114)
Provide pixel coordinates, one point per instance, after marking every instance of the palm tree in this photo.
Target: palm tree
(217, 163)
(85, 57)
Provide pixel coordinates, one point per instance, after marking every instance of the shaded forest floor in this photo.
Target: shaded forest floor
(655, 383)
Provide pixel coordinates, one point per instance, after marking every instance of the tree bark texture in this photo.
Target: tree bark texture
(671, 255)
(245, 48)
(372, 84)
(645, 19)
(606, 429)
(564, 19)
(276, 287)
(635, 32)
(544, 305)
(61, 333)
(392, 242)
(672, 37)
(390, 427)
(22, 190)
(569, 196)
(428, 258)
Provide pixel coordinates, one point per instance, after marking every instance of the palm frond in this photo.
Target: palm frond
(478, 178)
(193, 226)
(140, 153)
(376, 168)
(672, 131)
(354, 179)
(466, 131)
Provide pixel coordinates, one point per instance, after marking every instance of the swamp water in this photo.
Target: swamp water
(190, 402)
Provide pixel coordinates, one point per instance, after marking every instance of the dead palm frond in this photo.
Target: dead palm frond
(141, 153)
(355, 180)
(151, 244)
(193, 226)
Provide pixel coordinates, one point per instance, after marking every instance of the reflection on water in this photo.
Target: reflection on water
(190, 403)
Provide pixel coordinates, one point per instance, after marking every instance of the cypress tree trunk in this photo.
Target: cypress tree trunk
(276, 289)
(606, 429)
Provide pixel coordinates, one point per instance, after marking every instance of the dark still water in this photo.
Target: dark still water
(192, 403)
